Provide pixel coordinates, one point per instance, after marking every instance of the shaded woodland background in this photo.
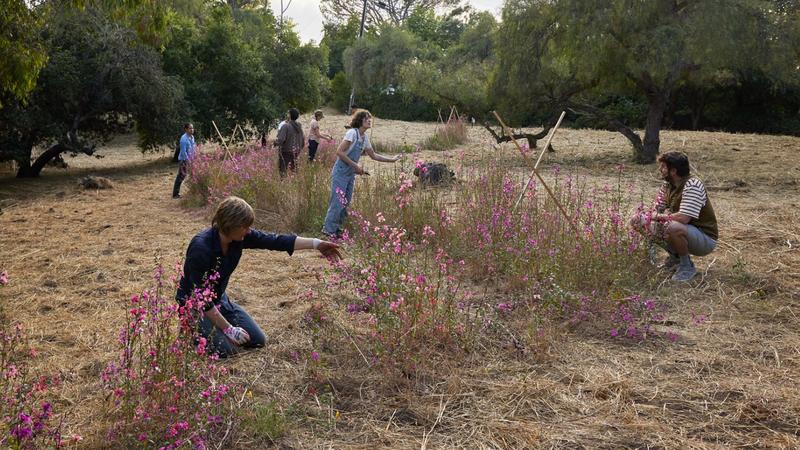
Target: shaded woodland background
(78, 72)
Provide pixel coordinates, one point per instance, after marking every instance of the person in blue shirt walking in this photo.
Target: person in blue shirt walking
(187, 151)
(343, 175)
(211, 258)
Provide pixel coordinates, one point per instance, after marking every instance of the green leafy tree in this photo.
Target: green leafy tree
(299, 72)
(21, 50)
(239, 66)
(652, 47)
(99, 80)
(224, 76)
(373, 65)
(378, 12)
(337, 38)
(439, 31)
(340, 91)
(464, 79)
(372, 62)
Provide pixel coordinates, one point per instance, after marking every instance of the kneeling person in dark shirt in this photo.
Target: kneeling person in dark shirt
(211, 258)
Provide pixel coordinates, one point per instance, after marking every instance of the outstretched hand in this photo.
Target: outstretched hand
(329, 250)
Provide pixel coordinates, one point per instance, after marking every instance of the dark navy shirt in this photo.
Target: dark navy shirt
(204, 257)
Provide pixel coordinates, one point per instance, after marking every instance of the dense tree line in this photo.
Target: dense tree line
(97, 68)
(75, 72)
(622, 65)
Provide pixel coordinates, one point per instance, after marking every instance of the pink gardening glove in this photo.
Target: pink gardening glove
(237, 335)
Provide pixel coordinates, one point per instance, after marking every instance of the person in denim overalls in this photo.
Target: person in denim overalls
(343, 176)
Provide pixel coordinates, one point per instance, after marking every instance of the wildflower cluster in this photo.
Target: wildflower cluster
(407, 294)
(166, 389)
(506, 234)
(26, 418)
(297, 201)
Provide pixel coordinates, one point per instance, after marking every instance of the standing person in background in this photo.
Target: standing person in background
(315, 135)
(290, 142)
(343, 176)
(186, 153)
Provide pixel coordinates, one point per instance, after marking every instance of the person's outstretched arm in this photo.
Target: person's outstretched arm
(381, 158)
(289, 243)
(328, 249)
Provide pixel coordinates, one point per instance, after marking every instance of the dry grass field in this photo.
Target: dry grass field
(730, 380)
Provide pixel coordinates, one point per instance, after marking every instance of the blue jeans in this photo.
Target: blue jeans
(337, 207)
(237, 317)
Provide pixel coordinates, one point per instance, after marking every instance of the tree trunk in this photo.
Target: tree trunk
(697, 108)
(24, 169)
(31, 171)
(531, 138)
(633, 138)
(656, 105)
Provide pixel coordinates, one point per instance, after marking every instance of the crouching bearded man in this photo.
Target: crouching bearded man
(683, 221)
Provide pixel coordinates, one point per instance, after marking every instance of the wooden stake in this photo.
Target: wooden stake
(452, 110)
(536, 172)
(227, 151)
(241, 131)
(224, 144)
(538, 160)
(549, 138)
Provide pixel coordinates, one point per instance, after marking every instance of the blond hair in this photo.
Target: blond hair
(233, 212)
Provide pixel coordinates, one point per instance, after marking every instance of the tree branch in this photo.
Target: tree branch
(615, 123)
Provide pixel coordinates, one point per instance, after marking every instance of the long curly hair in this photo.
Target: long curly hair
(359, 118)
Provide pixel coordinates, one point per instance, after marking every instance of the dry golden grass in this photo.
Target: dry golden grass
(76, 256)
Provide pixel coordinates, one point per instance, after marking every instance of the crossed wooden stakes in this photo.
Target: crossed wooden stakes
(227, 150)
(534, 171)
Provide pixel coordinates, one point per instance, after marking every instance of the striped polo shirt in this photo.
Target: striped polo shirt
(690, 199)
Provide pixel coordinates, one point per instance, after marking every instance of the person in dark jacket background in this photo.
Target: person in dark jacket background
(290, 142)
